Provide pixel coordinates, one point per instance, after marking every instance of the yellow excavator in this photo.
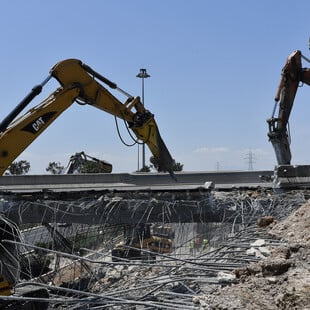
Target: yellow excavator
(143, 242)
(78, 83)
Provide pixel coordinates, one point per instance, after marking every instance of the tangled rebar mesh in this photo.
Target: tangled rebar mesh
(72, 262)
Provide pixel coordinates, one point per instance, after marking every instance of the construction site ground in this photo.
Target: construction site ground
(281, 281)
(256, 258)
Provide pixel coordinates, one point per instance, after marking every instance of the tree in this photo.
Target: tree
(175, 166)
(155, 163)
(19, 167)
(145, 169)
(55, 168)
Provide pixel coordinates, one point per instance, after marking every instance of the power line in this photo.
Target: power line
(250, 158)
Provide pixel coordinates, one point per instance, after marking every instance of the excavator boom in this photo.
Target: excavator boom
(285, 174)
(292, 75)
(78, 83)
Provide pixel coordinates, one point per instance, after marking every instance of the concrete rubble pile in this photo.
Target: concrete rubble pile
(281, 280)
(257, 257)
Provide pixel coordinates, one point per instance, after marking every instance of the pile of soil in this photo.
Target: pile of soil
(281, 281)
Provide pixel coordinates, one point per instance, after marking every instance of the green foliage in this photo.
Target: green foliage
(177, 166)
(19, 167)
(155, 164)
(145, 169)
(54, 168)
(91, 167)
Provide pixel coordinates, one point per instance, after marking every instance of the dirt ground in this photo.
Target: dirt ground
(281, 281)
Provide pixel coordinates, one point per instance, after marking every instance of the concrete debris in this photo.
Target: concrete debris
(258, 243)
(281, 281)
(260, 252)
(233, 264)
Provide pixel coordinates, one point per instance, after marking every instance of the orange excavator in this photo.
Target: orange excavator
(293, 75)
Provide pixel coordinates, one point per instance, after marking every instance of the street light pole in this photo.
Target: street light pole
(142, 75)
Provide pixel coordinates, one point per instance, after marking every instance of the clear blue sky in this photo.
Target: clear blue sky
(214, 65)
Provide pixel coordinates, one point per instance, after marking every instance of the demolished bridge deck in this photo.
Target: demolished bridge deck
(121, 198)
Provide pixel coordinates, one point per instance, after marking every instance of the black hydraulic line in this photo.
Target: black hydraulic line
(36, 90)
(98, 76)
(104, 79)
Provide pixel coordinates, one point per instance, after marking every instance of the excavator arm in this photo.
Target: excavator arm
(78, 83)
(292, 75)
